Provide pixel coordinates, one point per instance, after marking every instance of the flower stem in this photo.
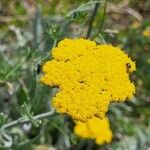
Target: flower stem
(92, 19)
(23, 120)
(103, 17)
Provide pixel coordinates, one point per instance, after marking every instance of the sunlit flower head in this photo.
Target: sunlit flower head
(89, 77)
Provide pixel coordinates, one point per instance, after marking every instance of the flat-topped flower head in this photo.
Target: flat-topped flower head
(95, 128)
(89, 77)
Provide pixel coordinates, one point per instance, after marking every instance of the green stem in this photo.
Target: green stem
(103, 17)
(17, 67)
(12, 71)
(92, 19)
(23, 120)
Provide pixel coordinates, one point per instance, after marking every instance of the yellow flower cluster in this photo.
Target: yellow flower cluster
(95, 128)
(89, 77)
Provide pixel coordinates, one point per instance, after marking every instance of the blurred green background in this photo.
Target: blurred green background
(28, 31)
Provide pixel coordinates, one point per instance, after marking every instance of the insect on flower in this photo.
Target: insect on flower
(128, 65)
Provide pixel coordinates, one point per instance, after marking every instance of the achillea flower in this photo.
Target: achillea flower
(89, 77)
(95, 128)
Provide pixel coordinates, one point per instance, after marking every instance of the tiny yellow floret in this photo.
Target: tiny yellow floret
(95, 128)
(89, 77)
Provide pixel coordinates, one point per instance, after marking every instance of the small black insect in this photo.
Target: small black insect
(38, 68)
(128, 65)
